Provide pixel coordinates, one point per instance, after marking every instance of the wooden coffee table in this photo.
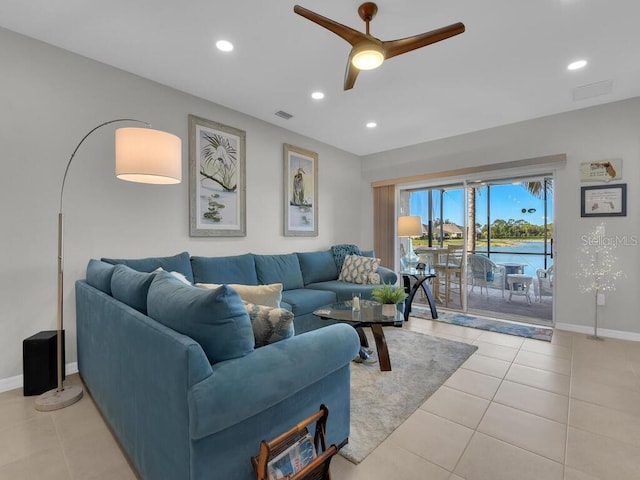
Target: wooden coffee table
(369, 315)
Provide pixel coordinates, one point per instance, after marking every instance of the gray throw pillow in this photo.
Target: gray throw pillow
(270, 324)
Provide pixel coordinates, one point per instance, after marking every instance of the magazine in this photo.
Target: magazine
(293, 459)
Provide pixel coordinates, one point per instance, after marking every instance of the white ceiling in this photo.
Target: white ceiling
(509, 65)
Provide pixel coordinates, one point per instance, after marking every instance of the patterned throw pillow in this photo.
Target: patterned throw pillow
(356, 269)
(374, 279)
(341, 251)
(269, 324)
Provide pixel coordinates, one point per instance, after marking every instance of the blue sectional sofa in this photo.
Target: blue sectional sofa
(188, 400)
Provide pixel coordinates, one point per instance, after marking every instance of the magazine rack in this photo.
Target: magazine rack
(318, 469)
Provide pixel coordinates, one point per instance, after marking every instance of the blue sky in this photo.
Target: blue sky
(507, 201)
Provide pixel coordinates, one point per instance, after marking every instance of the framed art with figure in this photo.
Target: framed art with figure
(217, 186)
(300, 192)
(604, 201)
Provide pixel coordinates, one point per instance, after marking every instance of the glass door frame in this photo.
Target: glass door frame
(470, 182)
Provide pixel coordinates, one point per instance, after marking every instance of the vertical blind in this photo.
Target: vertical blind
(384, 208)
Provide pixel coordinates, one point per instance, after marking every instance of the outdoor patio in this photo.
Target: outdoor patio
(493, 305)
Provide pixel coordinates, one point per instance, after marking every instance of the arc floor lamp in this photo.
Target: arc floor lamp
(142, 155)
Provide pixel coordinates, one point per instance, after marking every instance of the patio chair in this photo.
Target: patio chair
(544, 283)
(450, 274)
(485, 273)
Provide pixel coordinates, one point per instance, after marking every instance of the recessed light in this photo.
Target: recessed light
(317, 95)
(372, 125)
(578, 64)
(224, 45)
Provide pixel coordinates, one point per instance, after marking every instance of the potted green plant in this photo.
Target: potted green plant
(389, 295)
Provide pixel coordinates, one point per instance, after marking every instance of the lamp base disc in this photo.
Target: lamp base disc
(55, 399)
(595, 337)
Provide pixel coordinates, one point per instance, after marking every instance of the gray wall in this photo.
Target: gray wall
(49, 100)
(591, 134)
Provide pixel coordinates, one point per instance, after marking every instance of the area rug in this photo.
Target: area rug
(509, 328)
(381, 401)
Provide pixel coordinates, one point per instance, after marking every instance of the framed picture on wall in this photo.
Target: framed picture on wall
(604, 201)
(300, 192)
(217, 186)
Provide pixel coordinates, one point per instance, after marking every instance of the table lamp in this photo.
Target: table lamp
(409, 226)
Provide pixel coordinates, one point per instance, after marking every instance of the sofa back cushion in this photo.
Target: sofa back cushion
(283, 269)
(177, 263)
(240, 269)
(131, 287)
(216, 319)
(317, 266)
(99, 275)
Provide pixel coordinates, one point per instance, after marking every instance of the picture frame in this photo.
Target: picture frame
(601, 171)
(300, 192)
(604, 201)
(217, 182)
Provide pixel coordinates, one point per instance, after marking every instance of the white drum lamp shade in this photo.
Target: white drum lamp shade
(145, 155)
(409, 226)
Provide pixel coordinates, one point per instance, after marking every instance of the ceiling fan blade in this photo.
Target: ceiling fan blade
(347, 33)
(350, 74)
(404, 45)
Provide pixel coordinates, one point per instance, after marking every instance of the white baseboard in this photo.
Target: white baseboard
(602, 332)
(12, 383)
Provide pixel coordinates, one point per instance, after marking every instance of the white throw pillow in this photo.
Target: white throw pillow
(356, 269)
(268, 295)
(178, 275)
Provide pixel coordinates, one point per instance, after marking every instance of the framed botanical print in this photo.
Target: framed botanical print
(217, 185)
(300, 192)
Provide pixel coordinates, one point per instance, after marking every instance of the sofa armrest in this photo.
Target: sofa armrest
(243, 387)
(387, 275)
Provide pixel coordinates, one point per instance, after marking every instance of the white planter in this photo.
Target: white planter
(389, 309)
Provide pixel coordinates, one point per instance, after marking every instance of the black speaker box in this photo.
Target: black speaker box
(39, 362)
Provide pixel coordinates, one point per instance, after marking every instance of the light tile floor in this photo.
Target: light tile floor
(517, 409)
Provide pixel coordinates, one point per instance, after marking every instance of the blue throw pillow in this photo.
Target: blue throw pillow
(177, 263)
(131, 287)
(216, 319)
(341, 251)
(99, 275)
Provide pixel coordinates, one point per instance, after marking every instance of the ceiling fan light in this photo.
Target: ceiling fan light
(367, 56)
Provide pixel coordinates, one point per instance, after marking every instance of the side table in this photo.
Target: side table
(420, 277)
(515, 280)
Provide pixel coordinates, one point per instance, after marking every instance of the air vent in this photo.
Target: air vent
(592, 90)
(283, 114)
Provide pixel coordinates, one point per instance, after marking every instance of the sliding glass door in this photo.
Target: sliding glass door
(506, 227)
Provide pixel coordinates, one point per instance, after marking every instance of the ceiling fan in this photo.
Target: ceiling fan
(367, 51)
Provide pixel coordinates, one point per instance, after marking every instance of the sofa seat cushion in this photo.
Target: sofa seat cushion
(266, 295)
(283, 269)
(317, 266)
(216, 319)
(177, 263)
(270, 325)
(239, 269)
(304, 300)
(344, 291)
(131, 287)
